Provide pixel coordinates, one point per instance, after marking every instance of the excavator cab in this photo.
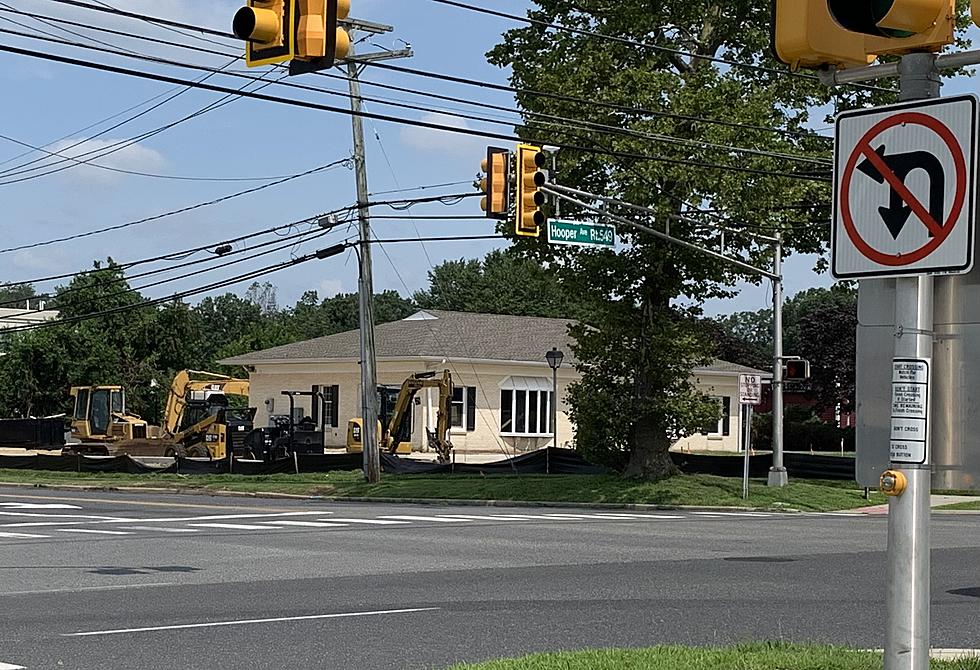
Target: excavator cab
(100, 415)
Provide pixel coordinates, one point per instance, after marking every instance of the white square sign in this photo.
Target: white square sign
(749, 389)
(904, 181)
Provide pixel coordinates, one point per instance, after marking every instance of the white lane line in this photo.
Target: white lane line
(162, 530)
(406, 517)
(92, 532)
(372, 522)
(223, 517)
(63, 516)
(85, 588)
(310, 524)
(755, 514)
(22, 536)
(244, 622)
(34, 524)
(576, 517)
(10, 666)
(232, 526)
(22, 505)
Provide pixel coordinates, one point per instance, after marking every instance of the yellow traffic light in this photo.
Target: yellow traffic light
(318, 34)
(898, 26)
(530, 197)
(975, 11)
(496, 202)
(267, 27)
(804, 34)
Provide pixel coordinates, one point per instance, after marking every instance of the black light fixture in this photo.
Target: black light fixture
(554, 358)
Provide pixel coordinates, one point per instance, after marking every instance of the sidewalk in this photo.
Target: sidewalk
(936, 501)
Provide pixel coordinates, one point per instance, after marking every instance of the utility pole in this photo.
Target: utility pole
(369, 372)
(777, 473)
(365, 286)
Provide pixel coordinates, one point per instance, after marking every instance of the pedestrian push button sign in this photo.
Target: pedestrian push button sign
(910, 410)
(904, 182)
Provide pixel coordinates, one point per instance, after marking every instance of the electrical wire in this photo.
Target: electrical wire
(182, 210)
(419, 123)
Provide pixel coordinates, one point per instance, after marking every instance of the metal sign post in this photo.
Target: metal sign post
(749, 395)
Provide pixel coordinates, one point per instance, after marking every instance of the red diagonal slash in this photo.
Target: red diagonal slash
(907, 197)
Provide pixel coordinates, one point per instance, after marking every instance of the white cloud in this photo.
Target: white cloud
(442, 141)
(40, 260)
(135, 157)
(328, 288)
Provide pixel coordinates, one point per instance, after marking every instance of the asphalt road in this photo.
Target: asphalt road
(106, 580)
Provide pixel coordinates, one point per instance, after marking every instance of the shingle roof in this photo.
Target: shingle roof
(719, 365)
(436, 333)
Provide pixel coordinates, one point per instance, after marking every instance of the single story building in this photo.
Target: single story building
(503, 385)
(27, 316)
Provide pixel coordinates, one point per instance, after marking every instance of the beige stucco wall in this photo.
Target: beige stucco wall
(269, 380)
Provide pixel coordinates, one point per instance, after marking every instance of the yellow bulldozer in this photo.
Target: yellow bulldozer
(199, 420)
(394, 425)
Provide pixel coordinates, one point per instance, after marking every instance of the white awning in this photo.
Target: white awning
(517, 383)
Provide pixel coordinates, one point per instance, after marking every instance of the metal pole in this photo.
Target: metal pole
(554, 416)
(777, 473)
(369, 379)
(747, 445)
(907, 602)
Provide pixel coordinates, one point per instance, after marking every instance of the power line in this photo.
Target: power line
(320, 254)
(174, 212)
(605, 128)
(591, 103)
(393, 119)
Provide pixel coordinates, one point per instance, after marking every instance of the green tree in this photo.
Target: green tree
(640, 346)
(15, 295)
(502, 283)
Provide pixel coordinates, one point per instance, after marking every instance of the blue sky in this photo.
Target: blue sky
(247, 139)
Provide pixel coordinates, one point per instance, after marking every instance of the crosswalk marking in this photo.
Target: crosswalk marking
(372, 522)
(10, 666)
(22, 536)
(755, 514)
(309, 524)
(645, 516)
(487, 517)
(583, 517)
(407, 517)
(232, 526)
(91, 531)
(23, 505)
(161, 530)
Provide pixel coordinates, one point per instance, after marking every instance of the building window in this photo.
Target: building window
(326, 406)
(463, 415)
(525, 407)
(721, 427)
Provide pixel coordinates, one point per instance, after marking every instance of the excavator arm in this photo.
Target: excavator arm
(187, 381)
(410, 387)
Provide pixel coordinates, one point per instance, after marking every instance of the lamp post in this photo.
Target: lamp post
(554, 358)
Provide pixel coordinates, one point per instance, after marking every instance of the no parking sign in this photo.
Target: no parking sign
(904, 182)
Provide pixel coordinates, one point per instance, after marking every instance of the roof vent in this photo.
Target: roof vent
(422, 316)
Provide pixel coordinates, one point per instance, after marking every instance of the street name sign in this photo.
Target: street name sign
(581, 233)
(904, 183)
(910, 410)
(749, 389)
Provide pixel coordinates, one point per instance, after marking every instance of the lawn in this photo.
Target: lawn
(973, 505)
(763, 656)
(696, 490)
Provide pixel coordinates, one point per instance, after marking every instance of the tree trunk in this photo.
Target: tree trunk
(649, 453)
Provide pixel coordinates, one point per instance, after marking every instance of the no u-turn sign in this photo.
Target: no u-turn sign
(904, 181)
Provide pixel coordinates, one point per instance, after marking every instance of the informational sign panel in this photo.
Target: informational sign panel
(904, 189)
(749, 389)
(581, 233)
(910, 410)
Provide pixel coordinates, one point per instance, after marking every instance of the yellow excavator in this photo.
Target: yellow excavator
(395, 436)
(199, 418)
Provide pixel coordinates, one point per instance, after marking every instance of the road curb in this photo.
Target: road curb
(435, 502)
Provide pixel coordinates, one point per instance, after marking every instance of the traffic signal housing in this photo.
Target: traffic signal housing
(268, 28)
(319, 35)
(898, 26)
(805, 35)
(530, 197)
(796, 370)
(495, 184)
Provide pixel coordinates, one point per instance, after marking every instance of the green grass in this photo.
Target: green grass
(700, 490)
(974, 505)
(762, 656)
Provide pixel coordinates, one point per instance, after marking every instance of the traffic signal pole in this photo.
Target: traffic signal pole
(777, 473)
(907, 599)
